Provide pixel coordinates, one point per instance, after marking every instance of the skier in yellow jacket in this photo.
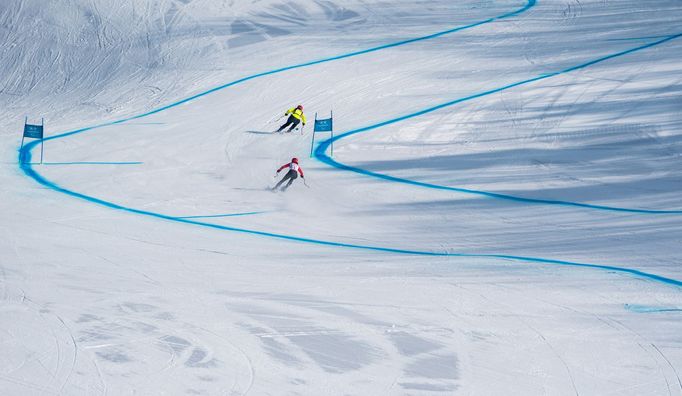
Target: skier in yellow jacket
(295, 116)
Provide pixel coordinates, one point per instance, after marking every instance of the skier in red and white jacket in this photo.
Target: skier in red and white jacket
(292, 174)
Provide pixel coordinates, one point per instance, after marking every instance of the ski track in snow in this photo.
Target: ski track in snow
(25, 156)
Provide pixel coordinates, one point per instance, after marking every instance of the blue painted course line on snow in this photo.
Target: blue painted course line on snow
(92, 163)
(650, 309)
(221, 215)
(322, 148)
(25, 156)
(529, 4)
(145, 123)
(37, 177)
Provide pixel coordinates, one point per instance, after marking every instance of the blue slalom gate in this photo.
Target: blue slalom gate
(323, 125)
(34, 132)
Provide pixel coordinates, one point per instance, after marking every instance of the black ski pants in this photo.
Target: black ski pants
(293, 121)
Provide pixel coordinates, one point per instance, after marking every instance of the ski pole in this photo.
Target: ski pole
(276, 119)
(305, 184)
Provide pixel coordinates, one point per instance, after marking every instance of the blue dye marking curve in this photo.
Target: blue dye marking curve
(322, 148)
(25, 156)
(92, 163)
(529, 4)
(650, 309)
(221, 215)
(657, 278)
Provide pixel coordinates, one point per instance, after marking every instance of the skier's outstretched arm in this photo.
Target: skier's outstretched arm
(282, 167)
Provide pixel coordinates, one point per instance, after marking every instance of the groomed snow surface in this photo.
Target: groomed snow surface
(502, 214)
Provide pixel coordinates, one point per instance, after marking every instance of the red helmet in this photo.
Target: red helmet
(294, 160)
(300, 107)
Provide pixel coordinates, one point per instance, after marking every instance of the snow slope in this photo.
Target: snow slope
(501, 214)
